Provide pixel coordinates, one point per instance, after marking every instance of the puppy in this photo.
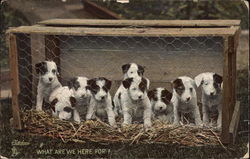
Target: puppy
(130, 70)
(184, 99)
(63, 104)
(211, 86)
(79, 87)
(162, 107)
(48, 81)
(135, 102)
(100, 101)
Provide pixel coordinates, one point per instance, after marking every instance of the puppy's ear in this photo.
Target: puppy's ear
(38, 67)
(72, 101)
(151, 94)
(127, 82)
(176, 83)
(199, 79)
(140, 70)
(90, 83)
(125, 68)
(108, 83)
(53, 104)
(217, 78)
(71, 83)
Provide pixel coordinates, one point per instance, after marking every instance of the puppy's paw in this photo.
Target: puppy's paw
(39, 109)
(176, 124)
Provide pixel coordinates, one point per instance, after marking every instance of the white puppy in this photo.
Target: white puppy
(130, 70)
(135, 102)
(211, 84)
(48, 81)
(184, 99)
(162, 106)
(63, 104)
(79, 86)
(100, 101)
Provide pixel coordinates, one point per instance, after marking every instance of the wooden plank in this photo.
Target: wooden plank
(147, 23)
(235, 121)
(15, 82)
(225, 137)
(52, 51)
(100, 11)
(150, 32)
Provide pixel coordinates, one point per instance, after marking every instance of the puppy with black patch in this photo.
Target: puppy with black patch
(211, 86)
(185, 99)
(79, 86)
(48, 82)
(63, 104)
(100, 102)
(135, 102)
(130, 70)
(162, 106)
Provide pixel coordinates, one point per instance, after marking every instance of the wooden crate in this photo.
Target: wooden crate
(53, 39)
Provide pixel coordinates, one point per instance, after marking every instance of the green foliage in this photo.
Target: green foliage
(8, 18)
(163, 9)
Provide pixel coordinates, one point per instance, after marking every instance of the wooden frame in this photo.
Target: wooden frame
(228, 29)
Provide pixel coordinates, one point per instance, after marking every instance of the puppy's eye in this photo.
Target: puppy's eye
(191, 89)
(53, 71)
(133, 89)
(132, 72)
(206, 83)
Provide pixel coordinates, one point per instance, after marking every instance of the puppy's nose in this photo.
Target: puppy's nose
(212, 93)
(102, 97)
(160, 108)
(139, 97)
(50, 79)
(188, 98)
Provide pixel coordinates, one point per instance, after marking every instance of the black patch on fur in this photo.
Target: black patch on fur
(140, 70)
(178, 86)
(143, 85)
(152, 95)
(119, 95)
(53, 103)
(125, 68)
(41, 68)
(68, 109)
(72, 101)
(113, 105)
(127, 82)
(217, 82)
(73, 83)
(166, 96)
(92, 86)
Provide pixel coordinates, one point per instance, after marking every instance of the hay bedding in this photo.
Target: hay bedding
(41, 123)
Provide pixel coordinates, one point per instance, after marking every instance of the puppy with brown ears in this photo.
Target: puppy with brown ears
(135, 102)
(162, 107)
(185, 99)
(63, 104)
(48, 82)
(211, 86)
(100, 102)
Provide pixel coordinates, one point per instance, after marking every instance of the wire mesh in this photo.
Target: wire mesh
(164, 58)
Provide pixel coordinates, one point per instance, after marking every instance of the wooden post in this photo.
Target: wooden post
(225, 137)
(13, 58)
(52, 51)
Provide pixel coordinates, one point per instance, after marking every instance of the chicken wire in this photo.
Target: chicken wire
(164, 58)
